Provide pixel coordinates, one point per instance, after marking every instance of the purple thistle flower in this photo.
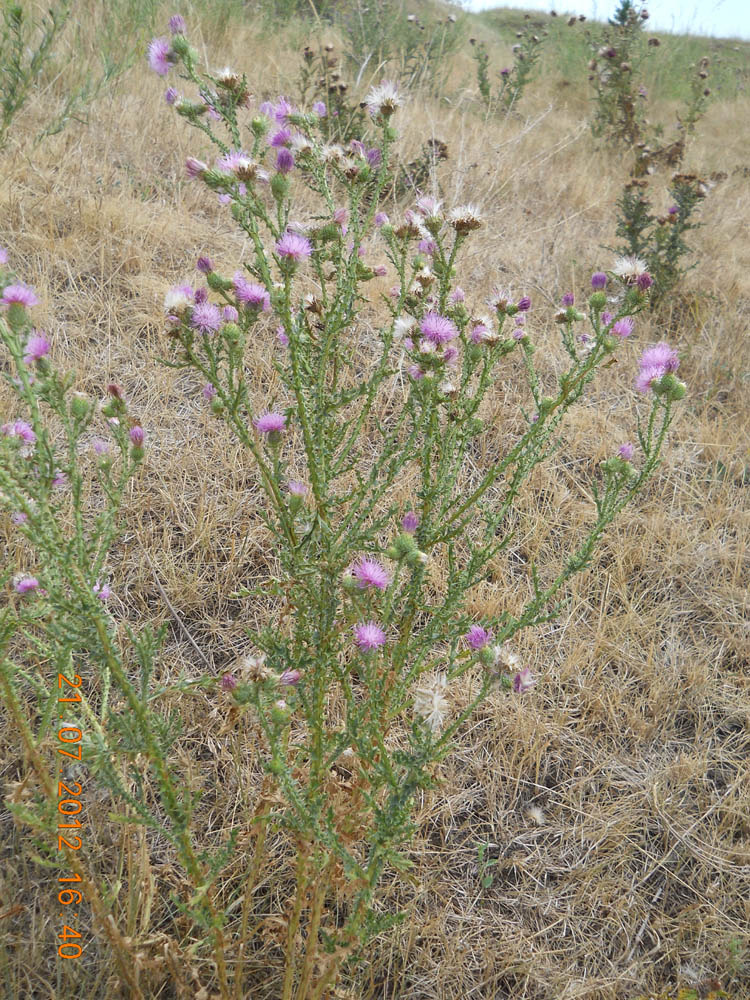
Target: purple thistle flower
(644, 281)
(369, 573)
(294, 247)
(607, 318)
(26, 584)
(281, 336)
(281, 138)
(208, 392)
(626, 451)
(598, 280)
(320, 109)
(623, 327)
(3, 256)
(648, 375)
(177, 24)
(381, 219)
(410, 522)
(100, 446)
(438, 329)
(290, 678)
(368, 636)
(270, 423)
(284, 161)
(195, 168)
(427, 246)
(524, 304)
(205, 317)
(251, 293)
(374, 157)
(519, 333)
(660, 356)
(102, 591)
(297, 488)
(19, 429)
(380, 270)
(478, 333)
(523, 681)
(170, 95)
(201, 295)
(36, 347)
(456, 296)
(137, 435)
(228, 682)
(282, 110)
(673, 209)
(18, 517)
(568, 299)
(160, 56)
(229, 314)
(204, 265)
(477, 637)
(59, 480)
(19, 295)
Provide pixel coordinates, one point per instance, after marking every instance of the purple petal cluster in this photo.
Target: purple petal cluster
(370, 574)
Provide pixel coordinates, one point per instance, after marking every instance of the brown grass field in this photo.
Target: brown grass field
(615, 797)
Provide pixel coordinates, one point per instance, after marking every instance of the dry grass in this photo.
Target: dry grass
(616, 797)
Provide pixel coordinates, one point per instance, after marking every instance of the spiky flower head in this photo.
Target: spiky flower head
(465, 218)
(623, 327)
(523, 681)
(383, 99)
(205, 317)
(410, 522)
(661, 355)
(293, 247)
(25, 584)
(160, 56)
(36, 347)
(368, 636)
(438, 329)
(270, 423)
(629, 269)
(625, 451)
(194, 167)
(430, 702)
(19, 295)
(478, 637)
(598, 281)
(370, 574)
(251, 293)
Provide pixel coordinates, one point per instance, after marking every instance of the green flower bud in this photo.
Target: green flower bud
(216, 283)
(546, 405)
(79, 406)
(279, 187)
(180, 46)
(259, 126)
(598, 301)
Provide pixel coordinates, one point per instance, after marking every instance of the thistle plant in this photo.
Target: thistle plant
(617, 54)
(20, 63)
(416, 51)
(31, 52)
(363, 458)
(659, 241)
(65, 464)
(513, 79)
(383, 525)
(322, 87)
